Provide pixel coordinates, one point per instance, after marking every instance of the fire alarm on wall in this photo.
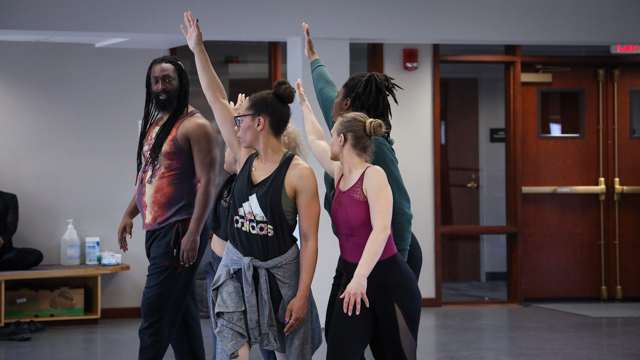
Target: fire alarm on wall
(410, 59)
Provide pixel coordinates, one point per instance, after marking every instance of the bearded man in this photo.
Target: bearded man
(174, 190)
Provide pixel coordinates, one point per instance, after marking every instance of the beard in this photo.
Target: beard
(168, 104)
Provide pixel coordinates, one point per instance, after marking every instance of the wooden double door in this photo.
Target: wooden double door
(580, 219)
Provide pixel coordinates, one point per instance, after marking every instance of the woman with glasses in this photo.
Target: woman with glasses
(262, 289)
(219, 219)
(377, 290)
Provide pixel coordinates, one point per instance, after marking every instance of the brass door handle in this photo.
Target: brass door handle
(472, 185)
(619, 190)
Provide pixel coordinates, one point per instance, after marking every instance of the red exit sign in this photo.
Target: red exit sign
(625, 49)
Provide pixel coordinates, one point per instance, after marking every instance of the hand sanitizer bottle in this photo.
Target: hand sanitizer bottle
(70, 246)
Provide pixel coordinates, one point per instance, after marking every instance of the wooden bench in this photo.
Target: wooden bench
(57, 276)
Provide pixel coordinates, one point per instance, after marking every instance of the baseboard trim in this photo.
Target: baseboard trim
(120, 313)
(430, 302)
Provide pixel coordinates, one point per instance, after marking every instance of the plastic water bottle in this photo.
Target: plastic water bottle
(92, 249)
(70, 246)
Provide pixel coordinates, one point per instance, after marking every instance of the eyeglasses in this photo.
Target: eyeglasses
(238, 119)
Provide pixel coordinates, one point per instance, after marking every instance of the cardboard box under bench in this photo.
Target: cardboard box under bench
(44, 303)
(53, 278)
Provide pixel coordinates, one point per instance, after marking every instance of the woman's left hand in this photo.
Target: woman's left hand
(296, 311)
(355, 293)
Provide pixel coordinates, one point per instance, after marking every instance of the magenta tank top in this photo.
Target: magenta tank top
(351, 217)
(167, 193)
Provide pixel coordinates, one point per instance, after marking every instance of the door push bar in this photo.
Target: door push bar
(601, 189)
(619, 190)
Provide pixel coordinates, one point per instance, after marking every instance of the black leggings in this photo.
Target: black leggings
(414, 261)
(414, 258)
(394, 310)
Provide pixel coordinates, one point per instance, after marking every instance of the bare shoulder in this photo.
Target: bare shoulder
(375, 178)
(197, 123)
(375, 173)
(301, 174)
(299, 167)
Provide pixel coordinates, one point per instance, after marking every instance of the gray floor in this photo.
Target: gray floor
(501, 332)
(474, 291)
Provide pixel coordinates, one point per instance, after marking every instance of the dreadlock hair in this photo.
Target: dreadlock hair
(359, 130)
(369, 94)
(274, 104)
(151, 112)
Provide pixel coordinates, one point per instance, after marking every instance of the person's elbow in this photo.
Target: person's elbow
(307, 239)
(206, 182)
(384, 231)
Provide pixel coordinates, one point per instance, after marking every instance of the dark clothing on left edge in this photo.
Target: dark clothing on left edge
(11, 258)
(169, 307)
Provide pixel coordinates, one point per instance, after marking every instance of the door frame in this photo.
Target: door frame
(512, 59)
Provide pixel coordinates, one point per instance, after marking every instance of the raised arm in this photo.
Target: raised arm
(315, 135)
(378, 192)
(213, 88)
(325, 87)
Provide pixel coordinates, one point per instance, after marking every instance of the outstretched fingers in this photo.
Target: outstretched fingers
(302, 95)
(305, 29)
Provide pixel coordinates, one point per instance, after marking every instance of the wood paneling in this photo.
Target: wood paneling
(436, 172)
(121, 313)
(561, 233)
(375, 57)
(628, 209)
(490, 59)
(275, 62)
(478, 230)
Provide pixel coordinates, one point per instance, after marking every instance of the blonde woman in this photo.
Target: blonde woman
(378, 289)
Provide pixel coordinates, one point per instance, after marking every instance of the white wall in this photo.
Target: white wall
(413, 132)
(68, 138)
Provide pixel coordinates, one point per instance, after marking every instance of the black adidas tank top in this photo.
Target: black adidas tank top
(259, 228)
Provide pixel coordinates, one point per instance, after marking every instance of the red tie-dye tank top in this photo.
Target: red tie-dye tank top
(167, 192)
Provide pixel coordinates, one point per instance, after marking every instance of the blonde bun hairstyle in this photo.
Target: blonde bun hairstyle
(375, 127)
(359, 132)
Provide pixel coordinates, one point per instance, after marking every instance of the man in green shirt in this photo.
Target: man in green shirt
(333, 103)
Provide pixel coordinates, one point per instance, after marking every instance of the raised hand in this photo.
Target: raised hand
(192, 32)
(309, 49)
(302, 95)
(238, 105)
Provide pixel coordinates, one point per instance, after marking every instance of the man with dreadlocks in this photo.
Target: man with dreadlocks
(367, 93)
(174, 195)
